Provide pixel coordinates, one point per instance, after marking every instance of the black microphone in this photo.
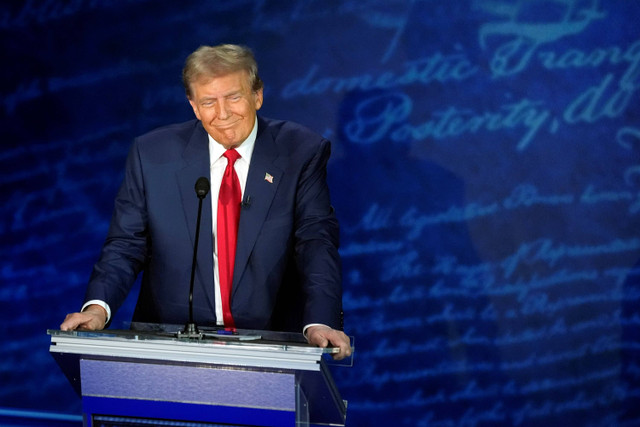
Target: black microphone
(190, 328)
(246, 202)
(202, 187)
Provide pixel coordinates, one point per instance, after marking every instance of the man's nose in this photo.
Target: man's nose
(223, 111)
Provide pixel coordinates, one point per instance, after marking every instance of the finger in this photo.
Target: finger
(344, 345)
(70, 322)
(343, 353)
(322, 341)
(75, 321)
(319, 339)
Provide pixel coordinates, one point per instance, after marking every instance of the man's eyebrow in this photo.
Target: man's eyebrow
(226, 95)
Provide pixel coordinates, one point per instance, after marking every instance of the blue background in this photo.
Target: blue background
(485, 169)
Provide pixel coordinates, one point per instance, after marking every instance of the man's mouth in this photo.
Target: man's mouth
(224, 126)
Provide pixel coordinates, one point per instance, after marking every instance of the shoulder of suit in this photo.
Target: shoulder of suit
(288, 131)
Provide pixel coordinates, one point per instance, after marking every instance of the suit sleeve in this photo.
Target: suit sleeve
(316, 244)
(125, 250)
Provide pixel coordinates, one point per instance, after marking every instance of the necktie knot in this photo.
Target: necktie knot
(232, 155)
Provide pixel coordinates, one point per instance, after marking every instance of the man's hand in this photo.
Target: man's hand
(324, 336)
(93, 318)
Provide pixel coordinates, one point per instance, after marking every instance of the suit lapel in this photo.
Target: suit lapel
(196, 161)
(262, 183)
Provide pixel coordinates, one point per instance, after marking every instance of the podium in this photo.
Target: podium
(151, 376)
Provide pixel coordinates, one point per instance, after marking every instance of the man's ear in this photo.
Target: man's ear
(258, 98)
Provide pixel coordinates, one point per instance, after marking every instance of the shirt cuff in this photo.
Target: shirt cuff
(101, 304)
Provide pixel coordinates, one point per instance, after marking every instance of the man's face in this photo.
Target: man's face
(226, 106)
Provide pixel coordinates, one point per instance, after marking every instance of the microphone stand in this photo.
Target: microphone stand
(190, 328)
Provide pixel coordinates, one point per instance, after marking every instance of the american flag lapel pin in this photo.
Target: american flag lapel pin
(268, 177)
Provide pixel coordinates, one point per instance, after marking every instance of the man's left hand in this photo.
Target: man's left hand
(324, 336)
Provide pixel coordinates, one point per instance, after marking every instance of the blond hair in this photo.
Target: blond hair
(215, 61)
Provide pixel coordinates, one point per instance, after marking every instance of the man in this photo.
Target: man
(286, 271)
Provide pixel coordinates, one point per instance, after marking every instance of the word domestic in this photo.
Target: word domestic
(438, 68)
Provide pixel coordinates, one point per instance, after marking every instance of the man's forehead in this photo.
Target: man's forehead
(207, 78)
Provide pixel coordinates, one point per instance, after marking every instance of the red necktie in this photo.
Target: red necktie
(228, 217)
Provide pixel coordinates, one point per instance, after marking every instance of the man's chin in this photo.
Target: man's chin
(228, 139)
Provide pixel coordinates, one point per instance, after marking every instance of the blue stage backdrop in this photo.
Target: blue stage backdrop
(485, 169)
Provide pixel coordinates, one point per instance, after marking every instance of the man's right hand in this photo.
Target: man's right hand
(93, 318)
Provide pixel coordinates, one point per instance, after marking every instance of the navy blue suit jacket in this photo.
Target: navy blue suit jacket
(287, 267)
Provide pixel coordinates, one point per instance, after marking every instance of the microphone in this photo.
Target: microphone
(246, 202)
(190, 328)
(202, 187)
